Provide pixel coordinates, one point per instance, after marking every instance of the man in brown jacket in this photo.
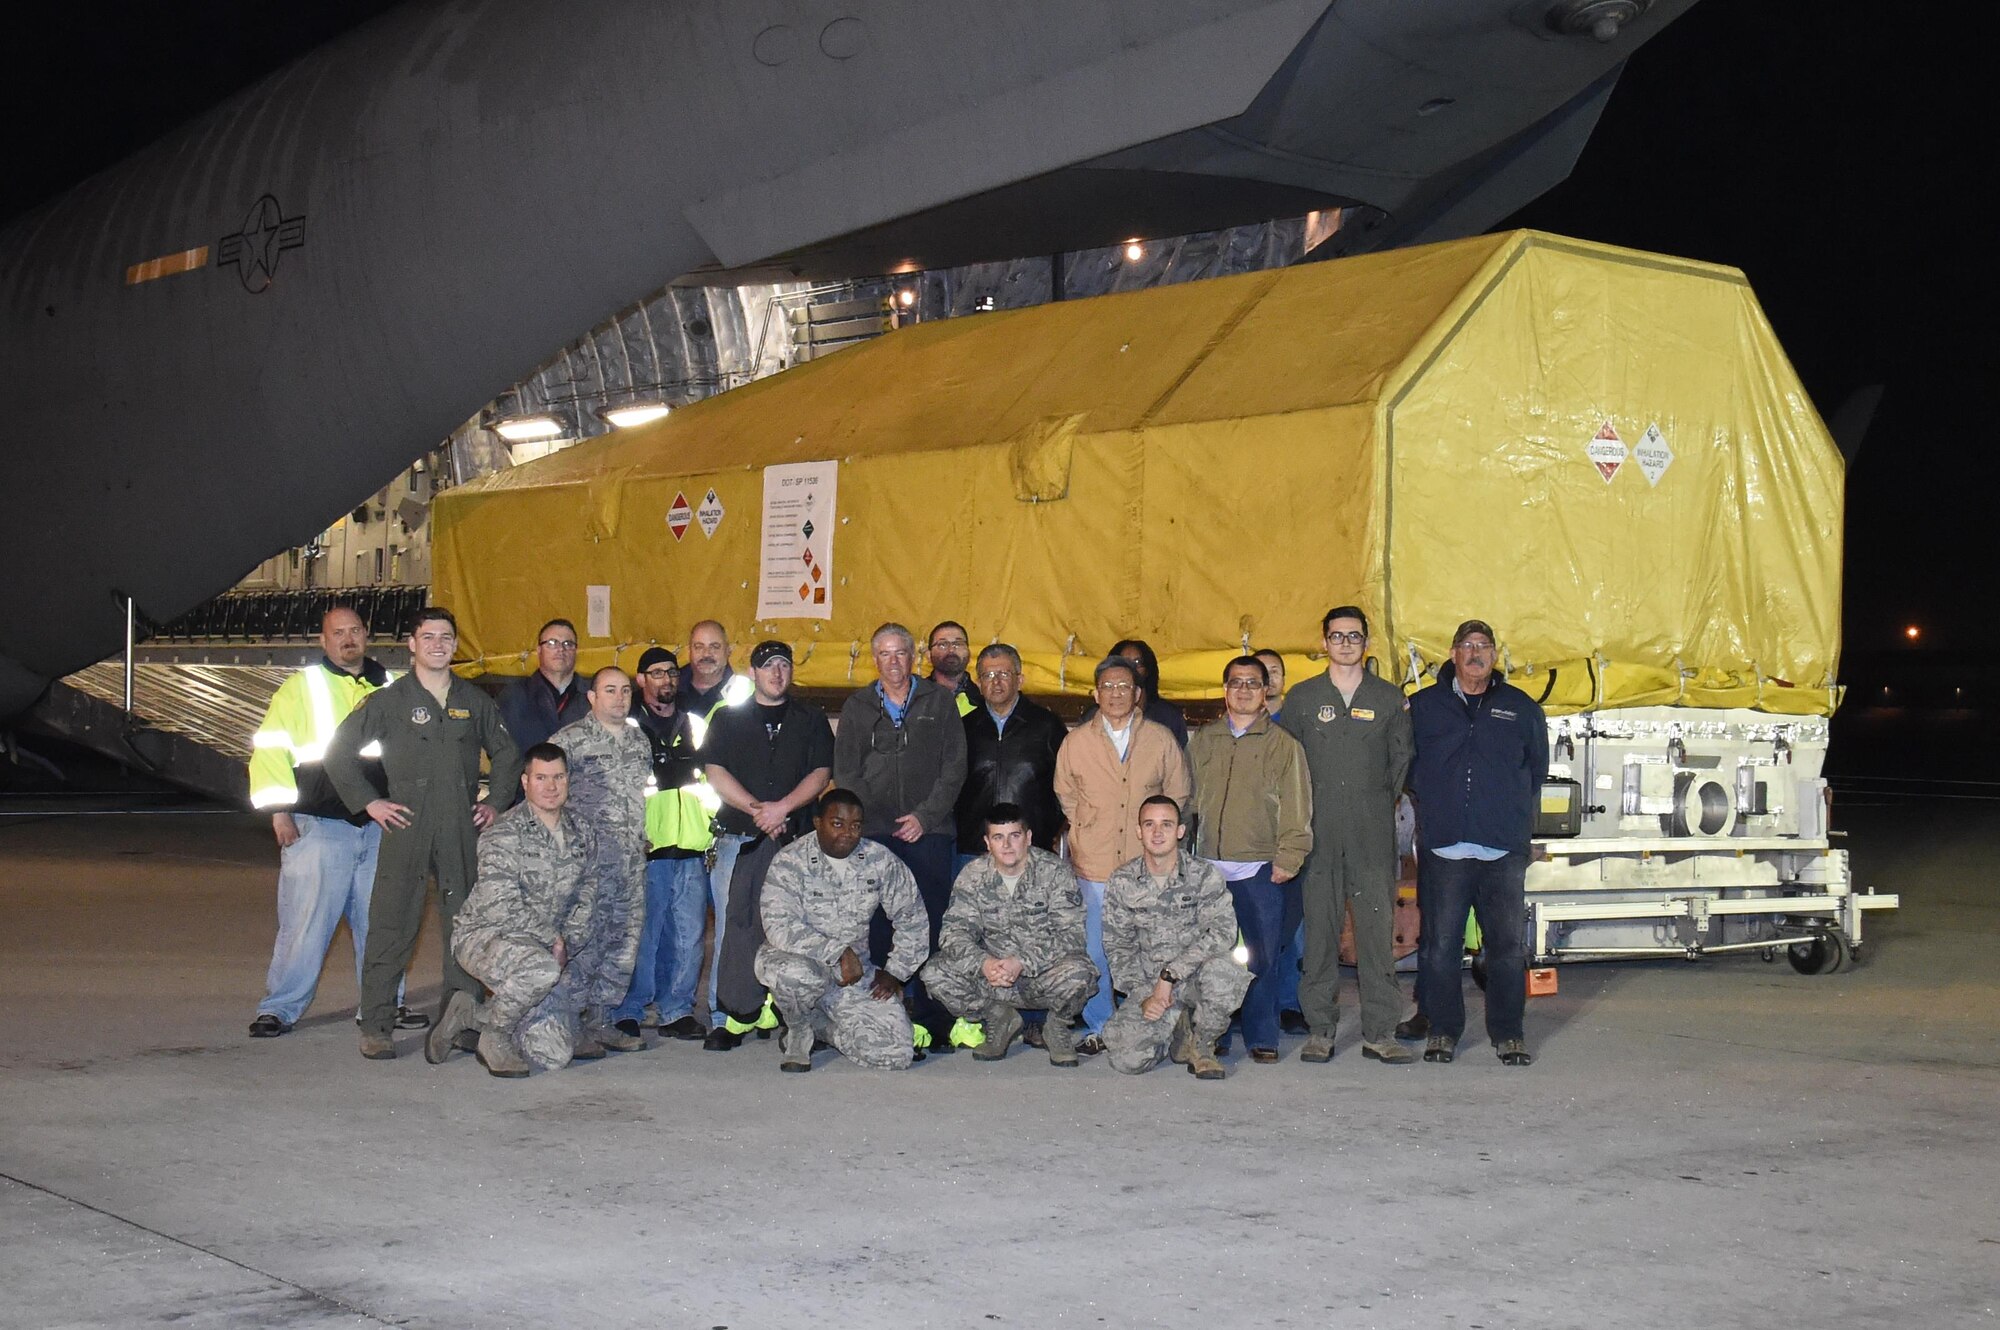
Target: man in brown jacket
(1253, 821)
(1105, 769)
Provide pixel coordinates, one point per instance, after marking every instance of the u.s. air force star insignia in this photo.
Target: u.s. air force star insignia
(1328, 714)
(420, 716)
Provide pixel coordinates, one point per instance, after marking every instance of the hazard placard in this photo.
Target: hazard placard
(709, 514)
(1607, 452)
(1652, 454)
(679, 514)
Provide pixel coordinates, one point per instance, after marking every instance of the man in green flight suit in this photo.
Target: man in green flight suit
(428, 728)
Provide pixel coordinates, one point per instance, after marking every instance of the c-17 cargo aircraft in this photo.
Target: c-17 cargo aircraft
(219, 345)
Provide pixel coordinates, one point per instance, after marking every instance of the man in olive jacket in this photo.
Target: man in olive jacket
(1355, 728)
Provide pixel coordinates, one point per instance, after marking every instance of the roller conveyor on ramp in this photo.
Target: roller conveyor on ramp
(190, 724)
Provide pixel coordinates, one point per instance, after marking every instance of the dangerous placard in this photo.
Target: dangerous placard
(1607, 452)
(709, 514)
(679, 514)
(1652, 454)
(795, 564)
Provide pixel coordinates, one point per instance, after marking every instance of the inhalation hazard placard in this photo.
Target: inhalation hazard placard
(795, 564)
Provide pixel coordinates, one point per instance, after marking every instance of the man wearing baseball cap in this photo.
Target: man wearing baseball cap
(768, 760)
(1482, 753)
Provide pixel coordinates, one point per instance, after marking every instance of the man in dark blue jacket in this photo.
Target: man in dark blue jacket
(1482, 753)
(535, 707)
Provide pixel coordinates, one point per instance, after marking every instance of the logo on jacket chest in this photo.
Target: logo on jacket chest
(420, 715)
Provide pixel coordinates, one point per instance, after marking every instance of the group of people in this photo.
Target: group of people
(954, 867)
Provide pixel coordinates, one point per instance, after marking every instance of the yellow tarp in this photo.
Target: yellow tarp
(1217, 463)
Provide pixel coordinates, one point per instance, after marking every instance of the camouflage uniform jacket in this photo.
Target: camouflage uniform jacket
(812, 909)
(609, 771)
(1148, 927)
(529, 888)
(1039, 919)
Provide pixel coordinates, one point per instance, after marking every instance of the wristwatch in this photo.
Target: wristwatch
(1167, 973)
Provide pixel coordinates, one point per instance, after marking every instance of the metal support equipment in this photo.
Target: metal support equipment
(130, 643)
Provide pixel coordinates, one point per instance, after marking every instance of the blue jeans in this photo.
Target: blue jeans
(1289, 962)
(1098, 1010)
(727, 847)
(1266, 912)
(324, 876)
(669, 961)
(1496, 892)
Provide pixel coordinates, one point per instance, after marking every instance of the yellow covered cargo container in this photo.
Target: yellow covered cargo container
(1605, 453)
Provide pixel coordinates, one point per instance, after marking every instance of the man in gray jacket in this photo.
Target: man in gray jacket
(901, 748)
(1355, 728)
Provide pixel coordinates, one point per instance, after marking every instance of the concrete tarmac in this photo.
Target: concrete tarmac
(1720, 1144)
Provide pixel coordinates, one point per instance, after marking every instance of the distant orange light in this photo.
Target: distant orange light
(908, 298)
(1912, 632)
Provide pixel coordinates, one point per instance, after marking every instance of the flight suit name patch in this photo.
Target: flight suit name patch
(456, 713)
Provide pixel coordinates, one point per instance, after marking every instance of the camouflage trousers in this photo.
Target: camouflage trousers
(1210, 995)
(603, 964)
(809, 996)
(529, 998)
(1059, 988)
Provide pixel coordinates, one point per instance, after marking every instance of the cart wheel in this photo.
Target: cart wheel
(1478, 968)
(1820, 955)
(1767, 955)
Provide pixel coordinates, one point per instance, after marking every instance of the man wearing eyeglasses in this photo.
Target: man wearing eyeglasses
(1355, 728)
(1106, 769)
(537, 706)
(1482, 754)
(949, 648)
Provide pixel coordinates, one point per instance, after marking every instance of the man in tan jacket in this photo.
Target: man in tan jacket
(1105, 769)
(1253, 820)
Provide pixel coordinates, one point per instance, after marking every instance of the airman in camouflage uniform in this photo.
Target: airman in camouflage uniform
(530, 910)
(610, 775)
(1008, 944)
(819, 895)
(1169, 930)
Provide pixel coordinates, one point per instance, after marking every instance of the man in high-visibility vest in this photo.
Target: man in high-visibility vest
(680, 812)
(327, 865)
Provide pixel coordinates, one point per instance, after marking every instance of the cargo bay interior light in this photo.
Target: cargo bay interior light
(627, 414)
(1134, 251)
(527, 429)
(1912, 632)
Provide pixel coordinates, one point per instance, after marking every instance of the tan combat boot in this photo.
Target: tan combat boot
(1180, 1046)
(1003, 1023)
(499, 1055)
(440, 1043)
(377, 1047)
(1060, 1040)
(1202, 1062)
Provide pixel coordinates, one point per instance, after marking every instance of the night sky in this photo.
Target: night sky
(1825, 149)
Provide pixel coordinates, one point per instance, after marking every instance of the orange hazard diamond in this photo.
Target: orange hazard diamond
(805, 591)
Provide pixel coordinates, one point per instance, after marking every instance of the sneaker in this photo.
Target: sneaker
(721, 1040)
(499, 1056)
(406, 1019)
(1032, 1036)
(1060, 1041)
(1514, 1052)
(1416, 1027)
(1440, 1048)
(377, 1047)
(1003, 1023)
(1264, 1055)
(267, 1026)
(1090, 1045)
(1388, 1051)
(618, 1039)
(459, 1010)
(1318, 1048)
(687, 1027)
